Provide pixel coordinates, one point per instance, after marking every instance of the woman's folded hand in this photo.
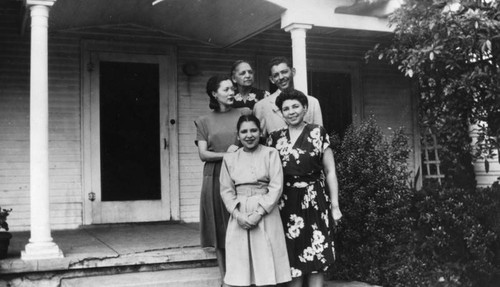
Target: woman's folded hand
(254, 218)
(243, 220)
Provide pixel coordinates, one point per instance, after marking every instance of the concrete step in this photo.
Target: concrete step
(193, 277)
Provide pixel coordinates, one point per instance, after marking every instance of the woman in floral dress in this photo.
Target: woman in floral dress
(243, 78)
(308, 207)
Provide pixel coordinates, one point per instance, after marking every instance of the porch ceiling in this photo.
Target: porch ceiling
(218, 22)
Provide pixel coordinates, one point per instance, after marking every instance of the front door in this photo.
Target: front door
(129, 130)
(333, 91)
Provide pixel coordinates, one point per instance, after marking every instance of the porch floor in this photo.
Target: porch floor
(101, 246)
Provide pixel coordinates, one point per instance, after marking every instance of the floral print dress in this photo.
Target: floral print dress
(305, 205)
(254, 96)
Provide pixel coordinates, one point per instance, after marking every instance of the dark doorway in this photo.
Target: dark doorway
(129, 131)
(333, 90)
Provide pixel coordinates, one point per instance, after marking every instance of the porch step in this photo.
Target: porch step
(193, 277)
(123, 255)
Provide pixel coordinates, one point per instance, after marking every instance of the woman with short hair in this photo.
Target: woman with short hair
(246, 95)
(308, 207)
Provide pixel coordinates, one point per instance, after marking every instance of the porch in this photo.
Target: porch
(146, 254)
(116, 255)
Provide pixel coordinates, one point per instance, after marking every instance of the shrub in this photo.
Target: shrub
(393, 235)
(374, 198)
(4, 213)
(457, 236)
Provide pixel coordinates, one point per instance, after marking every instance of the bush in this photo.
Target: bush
(456, 237)
(392, 235)
(374, 198)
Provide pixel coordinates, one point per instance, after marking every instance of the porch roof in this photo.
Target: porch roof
(217, 22)
(221, 23)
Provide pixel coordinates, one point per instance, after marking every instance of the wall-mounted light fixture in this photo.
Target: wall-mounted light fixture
(191, 68)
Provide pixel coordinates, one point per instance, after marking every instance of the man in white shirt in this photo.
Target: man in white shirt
(268, 113)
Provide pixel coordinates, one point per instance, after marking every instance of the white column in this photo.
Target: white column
(40, 245)
(298, 34)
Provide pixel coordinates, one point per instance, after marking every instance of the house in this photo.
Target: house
(79, 81)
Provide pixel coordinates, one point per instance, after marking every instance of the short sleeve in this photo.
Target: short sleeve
(201, 130)
(325, 139)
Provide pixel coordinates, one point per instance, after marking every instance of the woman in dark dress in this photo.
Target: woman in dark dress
(308, 207)
(216, 137)
(242, 75)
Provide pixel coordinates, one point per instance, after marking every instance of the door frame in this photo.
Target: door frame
(168, 87)
(352, 68)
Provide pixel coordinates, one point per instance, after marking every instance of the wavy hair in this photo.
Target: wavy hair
(291, 94)
(213, 84)
(278, 60)
(236, 64)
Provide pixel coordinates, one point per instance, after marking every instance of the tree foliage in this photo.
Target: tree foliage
(452, 50)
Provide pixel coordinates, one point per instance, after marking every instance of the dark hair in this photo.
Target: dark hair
(247, 118)
(278, 60)
(236, 64)
(291, 94)
(213, 85)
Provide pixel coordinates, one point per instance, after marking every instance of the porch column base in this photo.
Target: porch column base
(41, 250)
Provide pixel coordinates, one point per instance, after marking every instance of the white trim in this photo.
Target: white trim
(47, 3)
(166, 56)
(41, 245)
(323, 15)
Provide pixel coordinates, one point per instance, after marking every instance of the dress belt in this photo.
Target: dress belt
(251, 190)
(307, 178)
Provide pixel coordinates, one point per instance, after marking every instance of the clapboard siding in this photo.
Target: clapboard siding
(483, 178)
(64, 128)
(14, 121)
(381, 87)
(387, 98)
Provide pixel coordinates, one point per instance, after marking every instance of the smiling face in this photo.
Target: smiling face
(293, 112)
(243, 75)
(225, 93)
(282, 76)
(249, 135)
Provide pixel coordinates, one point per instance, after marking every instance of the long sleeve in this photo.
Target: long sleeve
(227, 188)
(269, 200)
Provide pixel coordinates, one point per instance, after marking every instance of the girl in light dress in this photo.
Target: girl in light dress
(251, 185)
